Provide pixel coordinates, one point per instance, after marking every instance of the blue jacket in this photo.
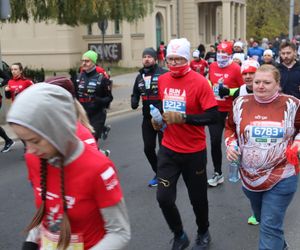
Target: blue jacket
(290, 79)
(256, 53)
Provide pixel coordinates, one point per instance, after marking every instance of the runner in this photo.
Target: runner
(77, 191)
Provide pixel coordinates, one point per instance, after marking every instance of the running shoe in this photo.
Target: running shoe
(7, 146)
(180, 243)
(105, 152)
(153, 182)
(202, 241)
(215, 180)
(105, 132)
(252, 220)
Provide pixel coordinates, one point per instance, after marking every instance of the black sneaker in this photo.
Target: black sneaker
(202, 241)
(7, 146)
(105, 132)
(180, 243)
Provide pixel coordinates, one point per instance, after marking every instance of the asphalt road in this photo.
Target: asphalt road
(229, 209)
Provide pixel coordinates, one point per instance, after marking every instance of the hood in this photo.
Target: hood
(49, 111)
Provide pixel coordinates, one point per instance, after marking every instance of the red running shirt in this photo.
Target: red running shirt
(199, 66)
(232, 79)
(91, 183)
(16, 86)
(190, 94)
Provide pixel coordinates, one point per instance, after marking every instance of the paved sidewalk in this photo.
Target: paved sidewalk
(122, 88)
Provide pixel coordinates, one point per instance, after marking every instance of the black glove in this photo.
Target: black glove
(28, 245)
(223, 91)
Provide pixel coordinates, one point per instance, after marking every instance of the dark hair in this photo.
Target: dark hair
(287, 44)
(20, 67)
(65, 229)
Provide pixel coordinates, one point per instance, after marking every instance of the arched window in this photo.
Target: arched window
(159, 29)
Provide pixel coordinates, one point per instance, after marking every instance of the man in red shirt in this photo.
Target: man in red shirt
(225, 77)
(198, 64)
(188, 105)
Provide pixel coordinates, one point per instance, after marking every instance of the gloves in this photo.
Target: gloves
(292, 157)
(27, 245)
(223, 91)
(173, 118)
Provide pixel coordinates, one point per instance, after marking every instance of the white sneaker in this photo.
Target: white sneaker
(215, 180)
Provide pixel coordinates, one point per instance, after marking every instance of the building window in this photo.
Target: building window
(89, 29)
(117, 26)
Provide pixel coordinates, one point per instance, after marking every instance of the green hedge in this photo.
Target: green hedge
(35, 75)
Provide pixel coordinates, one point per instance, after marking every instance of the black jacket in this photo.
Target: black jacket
(148, 89)
(290, 79)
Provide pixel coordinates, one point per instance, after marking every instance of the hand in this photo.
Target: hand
(173, 118)
(232, 154)
(223, 91)
(7, 88)
(155, 125)
(296, 144)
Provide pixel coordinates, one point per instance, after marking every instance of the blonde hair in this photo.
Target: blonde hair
(82, 116)
(272, 69)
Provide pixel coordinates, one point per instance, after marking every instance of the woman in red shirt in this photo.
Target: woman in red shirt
(18, 82)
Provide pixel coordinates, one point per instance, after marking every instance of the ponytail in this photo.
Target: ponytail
(37, 219)
(65, 227)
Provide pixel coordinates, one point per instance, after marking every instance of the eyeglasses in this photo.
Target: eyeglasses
(177, 60)
(85, 61)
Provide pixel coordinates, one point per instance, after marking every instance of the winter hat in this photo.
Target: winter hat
(179, 47)
(268, 52)
(240, 56)
(92, 55)
(63, 82)
(226, 47)
(196, 53)
(249, 66)
(238, 44)
(150, 52)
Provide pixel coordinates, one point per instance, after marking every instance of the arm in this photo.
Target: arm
(31, 242)
(209, 116)
(5, 78)
(103, 94)
(116, 226)
(135, 97)
(7, 92)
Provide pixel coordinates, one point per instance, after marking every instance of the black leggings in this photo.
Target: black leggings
(4, 135)
(192, 166)
(215, 132)
(97, 121)
(149, 138)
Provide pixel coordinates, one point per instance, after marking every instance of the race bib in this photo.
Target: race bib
(266, 135)
(174, 105)
(216, 92)
(147, 80)
(49, 241)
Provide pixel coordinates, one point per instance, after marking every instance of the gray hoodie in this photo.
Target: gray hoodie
(49, 111)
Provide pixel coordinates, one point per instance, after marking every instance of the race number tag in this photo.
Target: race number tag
(147, 80)
(268, 135)
(174, 105)
(49, 241)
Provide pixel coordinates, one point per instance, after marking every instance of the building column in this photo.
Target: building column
(226, 19)
(238, 22)
(232, 22)
(243, 22)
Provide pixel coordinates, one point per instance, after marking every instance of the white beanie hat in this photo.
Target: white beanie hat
(179, 47)
(240, 56)
(268, 52)
(238, 44)
(196, 53)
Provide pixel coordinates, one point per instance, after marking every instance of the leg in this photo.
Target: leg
(216, 131)
(149, 138)
(168, 173)
(274, 205)
(97, 121)
(255, 201)
(4, 135)
(194, 176)
(8, 142)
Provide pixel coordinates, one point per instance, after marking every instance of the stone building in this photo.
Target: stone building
(55, 47)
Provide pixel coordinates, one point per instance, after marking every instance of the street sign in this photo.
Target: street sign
(103, 25)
